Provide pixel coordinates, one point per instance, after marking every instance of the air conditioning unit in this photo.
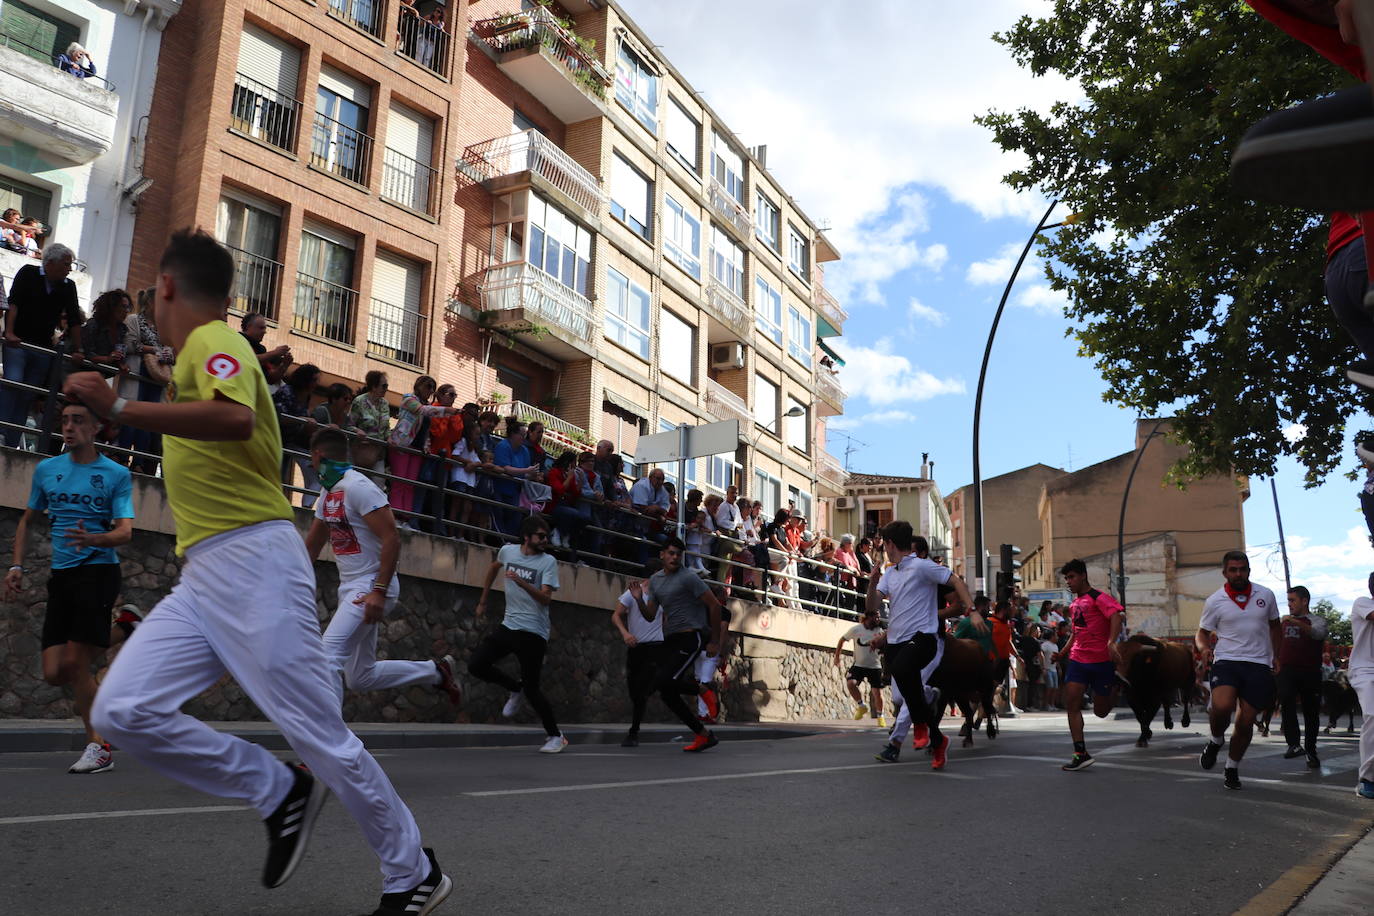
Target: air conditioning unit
(727, 355)
(844, 502)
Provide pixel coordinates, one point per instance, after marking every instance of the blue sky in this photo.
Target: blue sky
(867, 108)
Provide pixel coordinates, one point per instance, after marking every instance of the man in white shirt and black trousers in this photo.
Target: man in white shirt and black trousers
(1244, 617)
(913, 641)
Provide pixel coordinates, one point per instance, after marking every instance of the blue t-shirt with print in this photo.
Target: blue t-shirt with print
(508, 457)
(93, 494)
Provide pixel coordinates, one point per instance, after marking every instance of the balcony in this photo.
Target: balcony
(263, 113)
(364, 15)
(535, 50)
(728, 308)
(341, 150)
(828, 307)
(506, 164)
(257, 282)
(69, 118)
(831, 472)
(733, 213)
(724, 404)
(324, 309)
(557, 431)
(552, 318)
(832, 395)
(410, 183)
(395, 332)
(426, 43)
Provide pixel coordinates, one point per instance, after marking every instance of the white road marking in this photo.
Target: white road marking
(1154, 770)
(97, 815)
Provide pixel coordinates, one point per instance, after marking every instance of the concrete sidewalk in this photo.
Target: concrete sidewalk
(1344, 890)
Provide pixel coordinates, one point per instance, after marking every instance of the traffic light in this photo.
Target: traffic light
(1007, 579)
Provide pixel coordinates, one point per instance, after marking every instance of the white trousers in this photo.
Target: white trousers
(352, 646)
(1363, 682)
(246, 605)
(903, 723)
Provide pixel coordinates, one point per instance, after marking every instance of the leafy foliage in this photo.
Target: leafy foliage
(1190, 299)
(1339, 631)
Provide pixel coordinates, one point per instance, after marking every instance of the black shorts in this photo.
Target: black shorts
(80, 603)
(874, 676)
(1254, 683)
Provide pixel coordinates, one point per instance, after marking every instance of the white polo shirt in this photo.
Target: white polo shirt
(1242, 629)
(912, 589)
(1362, 641)
(642, 630)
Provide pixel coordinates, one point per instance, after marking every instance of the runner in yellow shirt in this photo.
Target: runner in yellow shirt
(245, 602)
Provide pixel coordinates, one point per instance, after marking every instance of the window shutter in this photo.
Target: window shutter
(397, 281)
(410, 133)
(346, 86)
(269, 60)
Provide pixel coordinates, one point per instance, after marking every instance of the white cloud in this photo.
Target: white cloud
(875, 418)
(1041, 298)
(1338, 571)
(883, 377)
(1294, 432)
(994, 270)
(919, 310)
(886, 246)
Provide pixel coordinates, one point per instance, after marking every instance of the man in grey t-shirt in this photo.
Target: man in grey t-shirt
(691, 618)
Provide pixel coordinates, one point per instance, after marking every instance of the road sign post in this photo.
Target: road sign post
(681, 445)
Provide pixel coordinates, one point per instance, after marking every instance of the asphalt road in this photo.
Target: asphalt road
(788, 826)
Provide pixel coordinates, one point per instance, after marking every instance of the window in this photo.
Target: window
(670, 469)
(365, 14)
(558, 246)
(45, 35)
(325, 301)
(407, 178)
(521, 123)
(252, 233)
(727, 261)
(767, 490)
(637, 88)
(684, 135)
(340, 143)
(798, 253)
(803, 501)
(622, 429)
(727, 167)
(795, 428)
(264, 104)
(28, 199)
(520, 385)
(676, 346)
(720, 472)
(799, 336)
(396, 320)
(682, 237)
(766, 404)
(767, 221)
(627, 313)
(630, 196)
(768, 310)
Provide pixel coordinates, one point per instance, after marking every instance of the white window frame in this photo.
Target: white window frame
(760, 396)
(768, 309)
(672, 348)
(636, 87)
(722, 163)
(767, 222)
(620, 326)
(727, 261)
(669, 468)
(681, 237)
(792, 426)
(798, 253)
(721, 472)
(767, 490)
(555, 225)
(679, 121)
(798, 336)
(623, 174)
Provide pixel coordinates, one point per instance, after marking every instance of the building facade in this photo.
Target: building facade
(524, 200)
(1011, 514)
(873, 500)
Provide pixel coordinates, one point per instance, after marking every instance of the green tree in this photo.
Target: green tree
(1339, 631)
(1191, 300)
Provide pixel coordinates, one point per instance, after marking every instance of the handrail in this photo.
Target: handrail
(828, 305)
(257, 282)
(409, 182)
(264, 113)
(329, 311)
(423, 42)
(356, 13)
(522, 285)
(531, 151)
(829, 388)
(345, 151)
(395, 332)
(38, 54)
(735, 213)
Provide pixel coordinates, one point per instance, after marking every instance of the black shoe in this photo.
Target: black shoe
(1208, 758)
(1232, 780)
(631, 740)
(418, 901)
(1293, 751)
(1081, 761)
(288, 827)
(889, 754)
(1312, 762)
(1361, 372)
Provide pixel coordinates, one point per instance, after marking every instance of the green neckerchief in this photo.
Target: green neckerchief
(331, 472)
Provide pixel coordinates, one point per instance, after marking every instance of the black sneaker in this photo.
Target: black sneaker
(631, 740)
(1208, 758)
(1293, 751)
(1313, 763)
(288, 827)
(418, 901)
(1081, 761)
(1232, 780)
(1361, 372)
(889, 754)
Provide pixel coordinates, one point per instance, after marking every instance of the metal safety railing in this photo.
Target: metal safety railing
(410, 183)
(424, 42)
(263, 113)
(531, 151)
(29, 50)
(341, 150)
(366, 15)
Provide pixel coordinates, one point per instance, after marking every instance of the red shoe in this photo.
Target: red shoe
(712, 704)
(920, 735)
(704, 742)
(448, 679)
(937, 761)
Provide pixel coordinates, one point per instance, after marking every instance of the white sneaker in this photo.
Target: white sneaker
(554, 745)
(96, 759)
(512, 705)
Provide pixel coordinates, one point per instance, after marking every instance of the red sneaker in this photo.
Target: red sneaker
(704, 742)
(937, 761)
(448, 679)
(920, 735)
(712, 704)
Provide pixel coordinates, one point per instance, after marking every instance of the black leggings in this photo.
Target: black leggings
(641, 675)
(529, 652)
(676, 676)
(905, 661)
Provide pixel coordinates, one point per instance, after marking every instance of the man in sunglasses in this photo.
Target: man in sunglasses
(531, 579)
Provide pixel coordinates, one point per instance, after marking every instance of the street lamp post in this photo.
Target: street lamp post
(1121, 522)
(982, 377)
(793, 411)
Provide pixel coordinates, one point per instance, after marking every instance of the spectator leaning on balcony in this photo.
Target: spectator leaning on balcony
(11, 230)
(370, 415)
(292, 401)
(514, 463)
(650, 498)
(147, 363)
(103, 336)
(410, 435)
(32, 230)
(76, 62)
(254, 328)
(41, 296)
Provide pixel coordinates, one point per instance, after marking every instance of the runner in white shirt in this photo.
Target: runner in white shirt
(1362, 679)
(1244, 617)
(867, 667)
(643, 652)
(353, 515)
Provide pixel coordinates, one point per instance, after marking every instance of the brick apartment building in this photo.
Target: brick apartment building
(523, 200)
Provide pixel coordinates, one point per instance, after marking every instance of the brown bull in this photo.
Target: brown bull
(965, 678)
(1157, 671)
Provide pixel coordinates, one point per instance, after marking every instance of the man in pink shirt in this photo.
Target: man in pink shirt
(1093, 655)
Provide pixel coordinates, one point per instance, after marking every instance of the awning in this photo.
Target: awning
(624, 403)
(825, 348)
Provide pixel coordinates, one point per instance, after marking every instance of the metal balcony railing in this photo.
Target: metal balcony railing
(829, 467)
(340, 149)
(731, 210)
(729, 307)
(263, 113)
(395, 332)
(724, 404)
(524, 286)
(410, 182)
(539, 28)
(426, 43)
(531, 151)
(17, 44)
(366, 15)
(324, 309)
(829, 388)
(828, 306)
(556, 429)
(257, 283)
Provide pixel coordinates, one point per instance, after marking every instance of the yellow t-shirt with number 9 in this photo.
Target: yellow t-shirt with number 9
(214, 487)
